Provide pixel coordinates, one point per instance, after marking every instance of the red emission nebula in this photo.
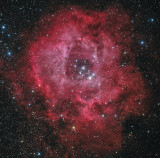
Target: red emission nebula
(81, 63)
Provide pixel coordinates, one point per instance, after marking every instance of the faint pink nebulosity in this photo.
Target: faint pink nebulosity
(83, 65)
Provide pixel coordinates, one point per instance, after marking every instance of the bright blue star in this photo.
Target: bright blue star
(38, 154)
(102, 115)
(3, 27)
(151, 19)
(142, 42)
(9, 53)
(9, 35)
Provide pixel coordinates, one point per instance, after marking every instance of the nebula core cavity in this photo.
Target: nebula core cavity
(82, 63)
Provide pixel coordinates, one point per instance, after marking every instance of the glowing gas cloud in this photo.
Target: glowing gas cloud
(81, 63)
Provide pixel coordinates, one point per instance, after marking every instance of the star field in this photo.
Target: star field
(25, 131)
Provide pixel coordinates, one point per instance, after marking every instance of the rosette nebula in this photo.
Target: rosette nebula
(82, 64)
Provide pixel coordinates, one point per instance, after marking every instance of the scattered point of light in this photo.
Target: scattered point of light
(61, 115)
(9, 53)
(85, 60)
(83, 67)
(90, 77)
(151, 19)
(47, 101)
(74, 128)
(38, 154)
(125, 52)
(22, 141)
(9, 35)
(29, 104)
(93, 74)
(3, 27)
(102, 115)
(142, 42)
